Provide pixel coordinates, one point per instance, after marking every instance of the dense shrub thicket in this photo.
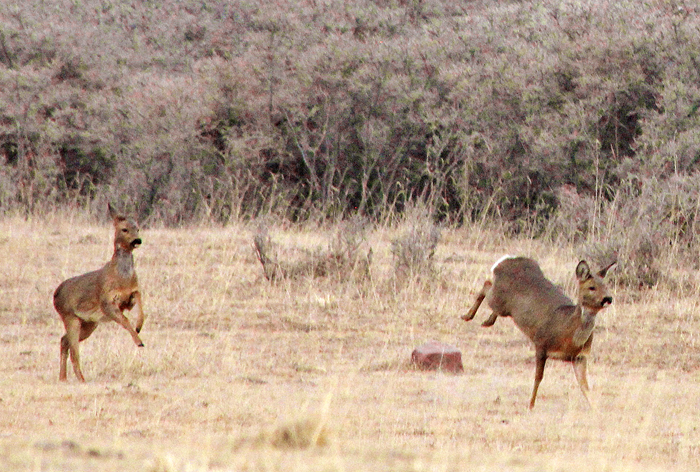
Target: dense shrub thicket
(535, 112)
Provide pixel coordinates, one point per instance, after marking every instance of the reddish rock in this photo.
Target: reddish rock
(437, 356)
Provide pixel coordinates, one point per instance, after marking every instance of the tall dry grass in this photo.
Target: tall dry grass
(313, 373)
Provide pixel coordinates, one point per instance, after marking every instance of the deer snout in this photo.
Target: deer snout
(137, 242)
(606, 301)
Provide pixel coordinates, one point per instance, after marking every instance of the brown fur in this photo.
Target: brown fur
(102, 295)
(559, 328)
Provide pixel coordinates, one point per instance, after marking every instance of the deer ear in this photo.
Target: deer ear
(603, 272)
(116, 217)
(583, 272)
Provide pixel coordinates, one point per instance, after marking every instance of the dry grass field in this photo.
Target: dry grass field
(313, 374)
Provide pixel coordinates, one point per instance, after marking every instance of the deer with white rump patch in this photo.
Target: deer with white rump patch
(559, 328)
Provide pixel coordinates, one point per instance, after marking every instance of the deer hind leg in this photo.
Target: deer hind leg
(580, 372)
(69, 345)
(86, 329)
(490, 320)
(477, 303)
(64, 358)
(541, 359)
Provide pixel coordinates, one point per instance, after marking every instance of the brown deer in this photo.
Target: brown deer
(102, 295)
(559, 328)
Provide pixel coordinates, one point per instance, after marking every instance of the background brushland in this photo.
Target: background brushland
(241, 373)
(572, 121)
(189, 110)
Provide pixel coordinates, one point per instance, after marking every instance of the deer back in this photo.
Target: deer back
(521, 290)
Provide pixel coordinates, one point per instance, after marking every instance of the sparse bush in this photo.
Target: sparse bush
(344, 257)
(265, 250)
(413, 250)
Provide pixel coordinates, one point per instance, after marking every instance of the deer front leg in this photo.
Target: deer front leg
(111, 309)
(541, 359)
(137, 308)
(580, 372)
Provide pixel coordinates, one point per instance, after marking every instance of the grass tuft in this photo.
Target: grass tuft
(302, 433)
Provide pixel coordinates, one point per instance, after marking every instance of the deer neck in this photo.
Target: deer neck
(124, 261)
(585, 329)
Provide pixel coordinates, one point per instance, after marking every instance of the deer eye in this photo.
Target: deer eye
(124, 230)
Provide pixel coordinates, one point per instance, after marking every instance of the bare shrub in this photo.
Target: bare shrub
(265, 250)
(345, 257)
(414, 249)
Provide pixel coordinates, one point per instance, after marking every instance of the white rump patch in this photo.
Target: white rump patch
(507, 256)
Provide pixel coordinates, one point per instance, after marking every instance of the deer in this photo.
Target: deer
(102, 295)
(558, 327)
